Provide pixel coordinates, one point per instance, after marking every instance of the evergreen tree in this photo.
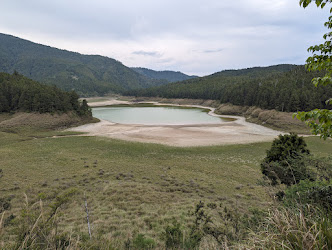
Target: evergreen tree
(18, 93)
(284, 161)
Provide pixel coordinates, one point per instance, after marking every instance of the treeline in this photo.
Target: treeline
(282, 87)
(18, 93)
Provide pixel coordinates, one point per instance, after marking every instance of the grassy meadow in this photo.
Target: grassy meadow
(130, 188)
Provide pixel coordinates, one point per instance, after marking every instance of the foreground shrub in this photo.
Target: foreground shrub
(213, 225)
(173, 236)
(320, 167)
(317, 193)
(284, 162)
(141, 242)
(4, 204)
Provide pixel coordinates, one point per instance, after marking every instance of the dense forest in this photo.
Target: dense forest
(18, 93)
(86, 74)
(281, 87)
(166, 75)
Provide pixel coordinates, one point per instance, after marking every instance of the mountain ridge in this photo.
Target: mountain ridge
(168, 75)
(284, 87)
(86, 74)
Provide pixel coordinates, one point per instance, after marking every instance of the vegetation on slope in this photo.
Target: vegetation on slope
(282, 87)
(131, 188)
(303, 218)
(86, 74)
(18, 93)
(138, 195)
(320, 119)
(167, 75)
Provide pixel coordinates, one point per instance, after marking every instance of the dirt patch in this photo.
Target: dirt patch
(182, 136)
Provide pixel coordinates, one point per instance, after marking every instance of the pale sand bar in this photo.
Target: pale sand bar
(235, 132)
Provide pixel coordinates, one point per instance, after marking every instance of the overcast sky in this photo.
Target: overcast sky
(193, 36)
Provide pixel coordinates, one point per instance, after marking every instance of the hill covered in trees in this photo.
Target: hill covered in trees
(18, 93)
(166, 75)
(86, 74)
(281, 87)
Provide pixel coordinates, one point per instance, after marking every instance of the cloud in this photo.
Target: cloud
(212, 50)
(188, 35)
(147, 53)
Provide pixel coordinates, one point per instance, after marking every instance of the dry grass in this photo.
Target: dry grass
(41, 121)
(131, 188)
(281, 121)
(294, 229)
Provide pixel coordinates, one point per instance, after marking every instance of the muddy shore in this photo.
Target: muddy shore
(235, 132)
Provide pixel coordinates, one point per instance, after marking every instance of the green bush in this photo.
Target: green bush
(284, 162)
(317, 193)
(141, 242)
(321, 167)
(4, 204)
(173, 236)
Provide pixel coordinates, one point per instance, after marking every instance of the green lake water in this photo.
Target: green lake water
(155, 115)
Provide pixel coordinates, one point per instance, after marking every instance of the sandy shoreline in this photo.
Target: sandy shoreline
(235, 132)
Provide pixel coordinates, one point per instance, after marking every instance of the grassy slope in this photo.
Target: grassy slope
(133, 187)
(281, 121)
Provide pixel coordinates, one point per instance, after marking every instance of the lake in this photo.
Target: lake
(156, 115)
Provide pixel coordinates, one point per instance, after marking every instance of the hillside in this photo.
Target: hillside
(18, 93)
(281, 87)
(255, 72)
(167, 75)
(86, 74)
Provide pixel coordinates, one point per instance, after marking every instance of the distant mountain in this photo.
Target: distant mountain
(86, 74)
(282, 87)
(168, 76)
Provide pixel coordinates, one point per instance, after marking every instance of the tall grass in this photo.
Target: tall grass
(37, 228)
(302, 228)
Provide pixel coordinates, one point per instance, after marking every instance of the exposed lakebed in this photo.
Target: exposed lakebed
(207, 130)
(156, 115)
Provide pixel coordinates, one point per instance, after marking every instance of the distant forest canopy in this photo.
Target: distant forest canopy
(88, 75)
(281, 87)
(18, 93)
(166, 75)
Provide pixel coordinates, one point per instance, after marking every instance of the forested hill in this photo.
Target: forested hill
(280, 87)
(255, 71)
(166, 75)
(86, 74)
(18, 93)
